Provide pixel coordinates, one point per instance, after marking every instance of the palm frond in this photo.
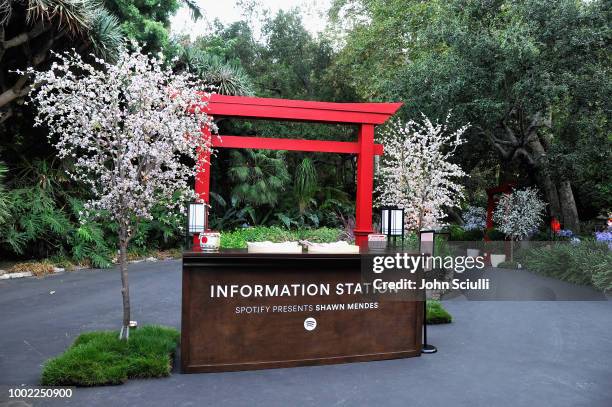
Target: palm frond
(222, 77)
(74, 16)
(6, 10)
(105, 35)
(194, 9)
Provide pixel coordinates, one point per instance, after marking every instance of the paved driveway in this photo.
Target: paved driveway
(494, 354)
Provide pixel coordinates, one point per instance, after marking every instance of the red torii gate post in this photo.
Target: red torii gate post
(364, 115)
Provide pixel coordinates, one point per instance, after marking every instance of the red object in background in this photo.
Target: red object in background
(555, 226)
(365, 115)
(492, 198)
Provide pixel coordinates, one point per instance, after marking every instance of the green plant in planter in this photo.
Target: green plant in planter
(237, 239)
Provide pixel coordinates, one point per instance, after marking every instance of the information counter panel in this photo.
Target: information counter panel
(244, 311)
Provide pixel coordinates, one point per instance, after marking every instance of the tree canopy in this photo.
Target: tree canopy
(532, 77)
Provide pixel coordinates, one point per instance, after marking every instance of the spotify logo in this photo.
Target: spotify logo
(310, 324)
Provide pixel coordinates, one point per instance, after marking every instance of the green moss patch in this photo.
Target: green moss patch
(100, 358)
(436, 314)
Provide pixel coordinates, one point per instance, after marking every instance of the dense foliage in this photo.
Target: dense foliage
(586, 263)
(531, 77)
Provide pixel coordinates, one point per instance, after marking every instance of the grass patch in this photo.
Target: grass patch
(436, 314)
(100, 358)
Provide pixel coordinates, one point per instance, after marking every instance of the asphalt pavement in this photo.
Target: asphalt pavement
(495, 353)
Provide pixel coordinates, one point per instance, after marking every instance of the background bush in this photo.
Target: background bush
(585, 263)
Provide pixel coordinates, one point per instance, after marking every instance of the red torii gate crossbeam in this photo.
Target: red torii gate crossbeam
(365, 115)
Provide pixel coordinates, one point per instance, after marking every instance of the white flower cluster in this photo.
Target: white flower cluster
(519, 214)
(475, 218)
(416, 173)
(132, 130)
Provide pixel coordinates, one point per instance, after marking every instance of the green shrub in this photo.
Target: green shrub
(494, 234)
(458, 234)
(238, 238)
(586, 263)
(508, 265)
(100, 358)
(436, 314)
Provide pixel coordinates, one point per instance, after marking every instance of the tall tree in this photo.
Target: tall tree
(417, 173)
(515, 70)
(148, 21)
(132, 130)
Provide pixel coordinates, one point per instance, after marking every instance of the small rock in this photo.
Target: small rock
(51, 292)
(20, 275)
(151, 259)
(58, 269)
(5, 276)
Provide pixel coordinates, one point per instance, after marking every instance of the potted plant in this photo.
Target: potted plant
(518, 215)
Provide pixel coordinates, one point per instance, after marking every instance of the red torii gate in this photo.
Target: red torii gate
(365, 115)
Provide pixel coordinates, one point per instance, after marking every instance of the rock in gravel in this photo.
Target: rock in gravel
(6, 276)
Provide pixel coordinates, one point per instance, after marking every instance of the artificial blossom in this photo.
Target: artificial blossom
(132, 131)
(519, 213)
(416, 172)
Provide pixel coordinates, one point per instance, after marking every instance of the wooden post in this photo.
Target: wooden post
(202, 181)
(365, 184)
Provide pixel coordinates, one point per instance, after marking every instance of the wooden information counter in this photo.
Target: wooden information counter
(244, 311)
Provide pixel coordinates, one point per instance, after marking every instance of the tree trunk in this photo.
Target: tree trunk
(568, 207)
(125, 289)
(550, 192)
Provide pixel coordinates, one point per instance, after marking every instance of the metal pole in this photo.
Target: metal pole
(427, 348)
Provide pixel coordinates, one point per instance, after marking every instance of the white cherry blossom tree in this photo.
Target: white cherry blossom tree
(519, 214)
(132, 132)
(416, 172)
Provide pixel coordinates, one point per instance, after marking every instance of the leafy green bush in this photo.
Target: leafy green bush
(238, 238)
(40, 218)
(100, 358)
(495, 235)
(586, 263)
(436, 314)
